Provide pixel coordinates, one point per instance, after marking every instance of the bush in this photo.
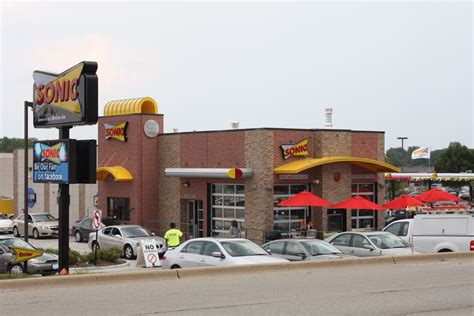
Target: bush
(107, 255)
(74, 256)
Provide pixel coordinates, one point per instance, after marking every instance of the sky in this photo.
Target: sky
(402, 67)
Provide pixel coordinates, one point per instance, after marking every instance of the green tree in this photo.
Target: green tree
(456, 158)
(8, 145)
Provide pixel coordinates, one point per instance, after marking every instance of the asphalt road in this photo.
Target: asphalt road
(428, 288)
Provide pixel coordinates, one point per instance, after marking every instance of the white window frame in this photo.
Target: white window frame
(241, 221)
(358, 217)
(286, 196)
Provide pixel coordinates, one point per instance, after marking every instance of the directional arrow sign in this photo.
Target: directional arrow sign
(23, 254)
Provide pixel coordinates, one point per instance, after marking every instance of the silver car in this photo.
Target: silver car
(304, 249)
(46, 264)
(6, 224)
(126, 237)
(204, 252)
(370, 244)
(39, 225)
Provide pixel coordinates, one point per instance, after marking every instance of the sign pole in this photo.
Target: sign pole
(95, 251)
(64, 216)
(25, 178)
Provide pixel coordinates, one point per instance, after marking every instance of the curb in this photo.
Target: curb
(99, 269)
(160, 274)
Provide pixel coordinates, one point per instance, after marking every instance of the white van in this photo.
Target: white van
(436, 233)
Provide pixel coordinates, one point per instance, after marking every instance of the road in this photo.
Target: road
(428, 288)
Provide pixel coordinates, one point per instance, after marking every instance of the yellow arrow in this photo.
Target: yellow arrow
(23, 254)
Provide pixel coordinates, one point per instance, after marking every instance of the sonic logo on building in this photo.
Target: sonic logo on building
(69, 98)
(299, 149)
(118, 132)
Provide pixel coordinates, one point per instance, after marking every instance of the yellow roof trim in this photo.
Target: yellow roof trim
(118, 172)
(304, 164)
(144, 105)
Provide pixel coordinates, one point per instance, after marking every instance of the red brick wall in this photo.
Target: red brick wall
(365, 145)
(139, 155)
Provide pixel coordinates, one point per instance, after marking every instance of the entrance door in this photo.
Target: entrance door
(194, 219)
(336, 220)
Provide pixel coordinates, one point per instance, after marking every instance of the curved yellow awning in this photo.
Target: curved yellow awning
(118, 172)
(304, 164)
(144, 105)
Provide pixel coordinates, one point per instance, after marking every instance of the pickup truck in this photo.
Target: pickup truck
(436, 233)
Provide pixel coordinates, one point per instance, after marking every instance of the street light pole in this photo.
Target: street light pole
(27, 105)
(402, 138)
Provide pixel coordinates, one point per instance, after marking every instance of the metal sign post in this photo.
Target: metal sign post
(64, 216)
(96, 223)
(25, 178)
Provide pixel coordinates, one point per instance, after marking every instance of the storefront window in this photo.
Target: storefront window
(288, 219)
(118, 208)
(228, 204)
(364, 219)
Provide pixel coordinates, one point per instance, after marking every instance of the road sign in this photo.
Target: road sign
(23, 254)
(150, 253)
(97, 219)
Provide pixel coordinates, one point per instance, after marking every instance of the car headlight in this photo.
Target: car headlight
(36, 261)
(44, 227)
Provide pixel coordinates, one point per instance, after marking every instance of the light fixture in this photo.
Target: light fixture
(187, 184)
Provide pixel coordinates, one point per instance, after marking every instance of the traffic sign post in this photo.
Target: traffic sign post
(96, 223)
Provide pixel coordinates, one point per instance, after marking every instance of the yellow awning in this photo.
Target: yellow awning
(304, 164)
(118, 172)
(145, 105)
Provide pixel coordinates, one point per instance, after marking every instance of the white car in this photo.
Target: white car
(370, 244)
(6, 224)
(204, 252)
(126, 237)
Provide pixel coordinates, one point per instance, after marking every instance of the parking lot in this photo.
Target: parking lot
(49, 242)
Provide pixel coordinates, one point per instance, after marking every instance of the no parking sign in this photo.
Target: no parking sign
(150, 253)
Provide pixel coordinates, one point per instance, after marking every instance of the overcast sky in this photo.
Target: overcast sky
(400, 67)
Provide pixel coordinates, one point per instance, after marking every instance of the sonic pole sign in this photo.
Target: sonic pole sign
(63, 101)
(67, 99)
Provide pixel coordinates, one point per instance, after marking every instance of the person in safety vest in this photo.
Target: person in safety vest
(173, 236)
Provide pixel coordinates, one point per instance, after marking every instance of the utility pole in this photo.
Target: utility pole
(27, 106)
(403, 151)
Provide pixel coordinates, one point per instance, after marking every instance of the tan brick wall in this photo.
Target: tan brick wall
(169, 188)
(259, 151)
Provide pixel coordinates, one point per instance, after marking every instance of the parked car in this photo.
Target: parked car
(46, 264)
(204, 252)
(304, 249)
(6, 224)
(436, 233)
(82, 228)
(39, 225)
(126, 237)
(370, 244)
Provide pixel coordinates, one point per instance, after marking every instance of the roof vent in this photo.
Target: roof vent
(235, 124)
(328, 112)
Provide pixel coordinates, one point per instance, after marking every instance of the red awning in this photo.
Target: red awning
(437, 195)
(305, 199)
(358, 202)
(402, 202)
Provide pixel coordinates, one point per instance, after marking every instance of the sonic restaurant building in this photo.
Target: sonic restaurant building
(204, 180)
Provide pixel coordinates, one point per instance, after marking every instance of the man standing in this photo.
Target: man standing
(173, 236)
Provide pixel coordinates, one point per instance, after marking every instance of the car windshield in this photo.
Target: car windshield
(44, 218)
(132, 232)
(16, 242)
(387, 241)
(240, 248)
(3, 216)
(316, 248)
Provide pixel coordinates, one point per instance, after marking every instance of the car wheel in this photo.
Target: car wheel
(95, 246)
(16, 269)
(175, 266)
(78, 236)
(16, 233)
(128, 252)
(35, 234)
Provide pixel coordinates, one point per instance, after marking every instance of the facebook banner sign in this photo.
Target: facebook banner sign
(54, 161)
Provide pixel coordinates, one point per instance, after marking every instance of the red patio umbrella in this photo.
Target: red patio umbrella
(358, 202)
(304, 199)
(437, 195)
(403, 201)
